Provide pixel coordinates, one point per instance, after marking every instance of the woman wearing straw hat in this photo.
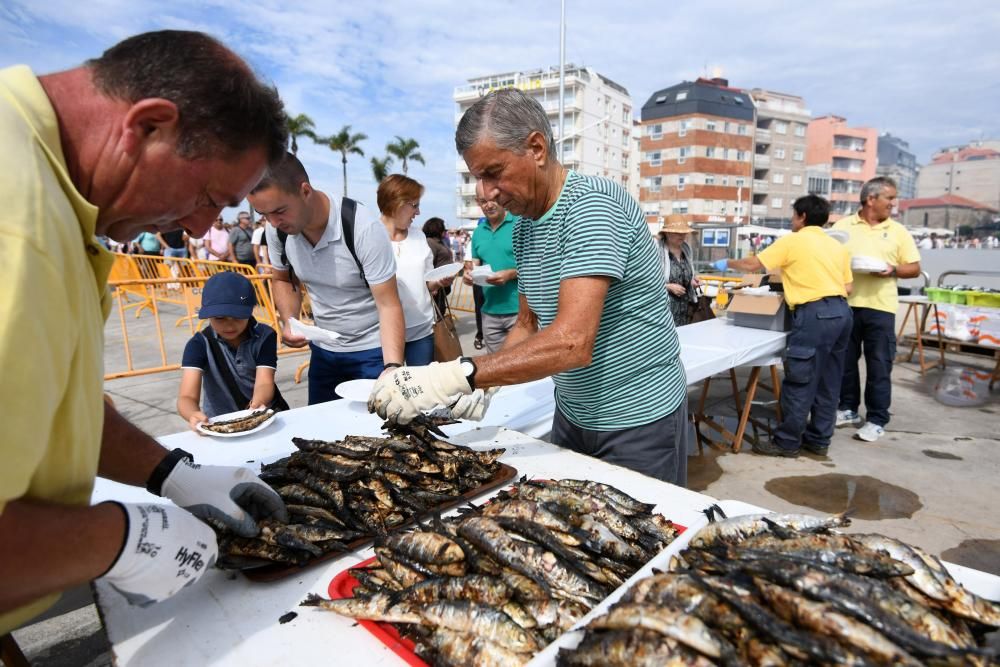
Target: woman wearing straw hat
(677, 267)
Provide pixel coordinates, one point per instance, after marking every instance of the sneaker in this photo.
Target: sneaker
(848, 418)
(869, 432)
(768, 448)
(818, 450)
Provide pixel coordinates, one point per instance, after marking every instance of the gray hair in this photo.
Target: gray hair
(875, 186)
(506, 116)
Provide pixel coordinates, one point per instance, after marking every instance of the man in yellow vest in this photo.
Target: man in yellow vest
(816, 273)
(874, 302)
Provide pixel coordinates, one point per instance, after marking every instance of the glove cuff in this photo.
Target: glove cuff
(160, 473)
(125, 534)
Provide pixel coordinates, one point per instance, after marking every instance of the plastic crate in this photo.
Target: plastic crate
(937, 294)
(986, 299)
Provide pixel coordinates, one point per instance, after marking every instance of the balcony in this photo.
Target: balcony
(761, 160)
(467, 189)
(763, 136)
(469, 212)
(758, 209)
(461, 167)
(760, 185)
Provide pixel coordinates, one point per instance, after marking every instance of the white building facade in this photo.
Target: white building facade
(597, 120)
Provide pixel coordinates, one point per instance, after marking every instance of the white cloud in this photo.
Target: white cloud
(922, 70)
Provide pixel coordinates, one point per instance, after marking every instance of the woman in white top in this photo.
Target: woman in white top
(399, 202)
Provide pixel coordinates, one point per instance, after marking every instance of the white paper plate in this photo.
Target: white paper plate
(355, 390)
(236, 415)
(443, 271)
(481, 273)
(838, 234)
(313, 333)
(868, 264)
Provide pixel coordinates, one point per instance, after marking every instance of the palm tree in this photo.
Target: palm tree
(300, 126)
(345, 142)
(380, 168)
(405, 150)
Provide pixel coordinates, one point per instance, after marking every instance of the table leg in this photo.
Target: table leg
(745, 412)
(736, 390)
(699, 415)
(937, 329)
(920, 339)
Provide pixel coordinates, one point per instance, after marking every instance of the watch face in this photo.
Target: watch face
(468, 367)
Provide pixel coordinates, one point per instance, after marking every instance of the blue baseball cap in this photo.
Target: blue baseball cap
(227, 294)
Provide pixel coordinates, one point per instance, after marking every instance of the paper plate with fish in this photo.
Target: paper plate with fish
(236, 424)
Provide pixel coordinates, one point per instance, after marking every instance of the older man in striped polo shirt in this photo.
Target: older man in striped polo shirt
(593, 308)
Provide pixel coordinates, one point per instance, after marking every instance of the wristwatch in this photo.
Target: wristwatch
(469, 368)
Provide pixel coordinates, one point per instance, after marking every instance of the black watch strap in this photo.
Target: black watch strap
(471, 377)
(160, 473)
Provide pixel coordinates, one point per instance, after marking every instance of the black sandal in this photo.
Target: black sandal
(478, 343)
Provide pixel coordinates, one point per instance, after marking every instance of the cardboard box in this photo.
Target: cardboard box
(760, 311)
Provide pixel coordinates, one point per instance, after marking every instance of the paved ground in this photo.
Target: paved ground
(931, 480)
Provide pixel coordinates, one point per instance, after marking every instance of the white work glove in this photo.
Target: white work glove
(165, 550)
(401, 395)
(224, 496)
(473, 406)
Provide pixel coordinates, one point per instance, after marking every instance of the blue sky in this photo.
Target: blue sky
(928, 72)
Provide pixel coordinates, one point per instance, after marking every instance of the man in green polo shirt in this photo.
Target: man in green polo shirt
(492, 245)
(592, 311)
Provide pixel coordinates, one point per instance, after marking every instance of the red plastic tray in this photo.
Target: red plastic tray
(342, 586)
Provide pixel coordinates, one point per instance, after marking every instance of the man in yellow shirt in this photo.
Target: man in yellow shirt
(161, 131)
(874, 301)
(816, 274)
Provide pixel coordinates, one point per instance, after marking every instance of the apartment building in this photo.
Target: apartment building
(897, 162)
(597, 119)
(697, 150)
(779, 167)
(971, 171)
(852, 156)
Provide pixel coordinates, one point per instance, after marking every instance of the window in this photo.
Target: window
(681, 96)
(741, 156)
(796, 180)
(740, 182)
(741, 129)
(710, 125)
(655, 131)
(780, 127)
(651, 208)
(660, 99)
(655, 158)
(778, 178)
(685, 125)
(681, 181)
(684, 151)
(710, 151)
(727, 128)
(680, 207)
(800, 130)
(779, 153)
(709, 179)
(655, 182)
(798, 155)
(777, 202)
(725, 180)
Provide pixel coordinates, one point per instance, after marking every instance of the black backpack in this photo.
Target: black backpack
(348, 211)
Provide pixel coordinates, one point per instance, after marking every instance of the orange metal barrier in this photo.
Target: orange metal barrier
(155, 349)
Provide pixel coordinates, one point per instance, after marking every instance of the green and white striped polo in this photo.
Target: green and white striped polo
(596, 229)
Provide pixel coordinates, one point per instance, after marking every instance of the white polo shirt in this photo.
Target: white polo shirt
(341, 302)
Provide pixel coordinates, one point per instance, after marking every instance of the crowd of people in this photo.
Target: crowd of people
(577, 290)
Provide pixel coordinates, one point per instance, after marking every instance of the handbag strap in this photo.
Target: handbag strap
(227, 375)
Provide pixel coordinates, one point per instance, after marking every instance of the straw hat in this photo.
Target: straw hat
(675, 224)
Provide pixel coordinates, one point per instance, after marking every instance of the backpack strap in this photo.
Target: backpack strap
(282, 239)
(348, 212)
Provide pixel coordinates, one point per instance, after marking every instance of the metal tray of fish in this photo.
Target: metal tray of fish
(275, 571)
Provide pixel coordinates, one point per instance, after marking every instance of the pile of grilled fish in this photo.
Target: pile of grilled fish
(497, 583)
(779, 589)
(239, 424)
(357, 488)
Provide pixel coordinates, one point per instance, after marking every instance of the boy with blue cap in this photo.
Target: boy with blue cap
(233, 359)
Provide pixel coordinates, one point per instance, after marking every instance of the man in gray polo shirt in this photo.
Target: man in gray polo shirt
(241, 241)
(364, 310)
